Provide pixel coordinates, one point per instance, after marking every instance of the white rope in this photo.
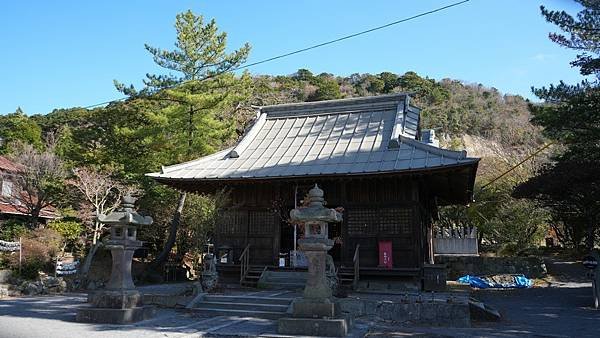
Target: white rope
(9, 246)
(66, 268)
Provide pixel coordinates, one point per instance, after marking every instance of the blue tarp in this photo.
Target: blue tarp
(518, 282)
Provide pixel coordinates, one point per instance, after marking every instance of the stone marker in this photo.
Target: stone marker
(316, 313)
(590, 262)
(120, 302)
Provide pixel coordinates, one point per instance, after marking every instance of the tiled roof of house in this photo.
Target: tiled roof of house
(12, 209)
(7, 165)
(340, 137)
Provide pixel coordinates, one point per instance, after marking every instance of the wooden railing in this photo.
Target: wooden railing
(244, 263)
(356, 261)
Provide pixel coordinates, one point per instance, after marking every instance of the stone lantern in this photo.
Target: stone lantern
(120, 302)
(316, 312)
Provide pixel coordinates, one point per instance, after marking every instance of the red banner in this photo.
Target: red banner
(385, 254)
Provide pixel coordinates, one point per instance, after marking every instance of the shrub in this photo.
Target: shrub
(39, 248)
(12, 229)
(69, 230)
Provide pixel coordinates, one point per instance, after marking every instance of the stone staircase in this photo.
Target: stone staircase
(255, 305)
(283, 280)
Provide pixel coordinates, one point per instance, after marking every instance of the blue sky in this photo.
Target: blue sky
(60, 54)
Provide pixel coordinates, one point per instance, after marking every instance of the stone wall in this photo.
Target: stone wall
(443, 311)
(531, 267)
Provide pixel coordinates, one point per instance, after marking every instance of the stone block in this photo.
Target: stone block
(482, 312)
(116, 299)
(353, 306)
(114, 316)
(336, 327)
(308, 308)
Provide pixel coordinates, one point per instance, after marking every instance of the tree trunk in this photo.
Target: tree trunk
(33, 217)
(591, 234)
(87, 264)
(175, 222)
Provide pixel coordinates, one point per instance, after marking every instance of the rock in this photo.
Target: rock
(482, 312)
(3, 290)
(32, 289)
(50, 282)
(209, 280)
(5, 276)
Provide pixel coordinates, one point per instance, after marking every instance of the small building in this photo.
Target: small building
(11, 207)
(369, 157)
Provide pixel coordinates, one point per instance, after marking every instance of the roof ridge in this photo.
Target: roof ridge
(458, 155)
(334, 106)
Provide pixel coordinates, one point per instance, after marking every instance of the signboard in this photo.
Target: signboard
(385, 254)
(590, 262)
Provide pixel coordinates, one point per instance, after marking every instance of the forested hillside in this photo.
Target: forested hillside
(128, 139)
(452, 107)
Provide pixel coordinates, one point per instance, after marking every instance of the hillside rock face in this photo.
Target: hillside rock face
(476, 146)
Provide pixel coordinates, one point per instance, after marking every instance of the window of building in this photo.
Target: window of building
(7, 188)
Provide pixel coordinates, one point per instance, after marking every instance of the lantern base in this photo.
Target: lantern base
(114, 316)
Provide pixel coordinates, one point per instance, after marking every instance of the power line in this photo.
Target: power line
(346, 37)
(532, 155)
(353, 35)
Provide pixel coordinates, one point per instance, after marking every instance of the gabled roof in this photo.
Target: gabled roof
(12, 209)
(358, 136)
(9, 166)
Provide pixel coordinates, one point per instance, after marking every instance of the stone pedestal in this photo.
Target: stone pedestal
(316, 313)
(114, 316)
(120, 303)
(315, 250)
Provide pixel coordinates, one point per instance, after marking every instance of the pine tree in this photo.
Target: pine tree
(570, 188)
(193, 107)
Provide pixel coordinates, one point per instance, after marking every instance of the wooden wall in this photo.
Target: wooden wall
(374, 209)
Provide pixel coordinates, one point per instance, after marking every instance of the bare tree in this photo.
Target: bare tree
(38, 182)
(102, 194)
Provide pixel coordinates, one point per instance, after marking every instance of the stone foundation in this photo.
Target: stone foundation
(114, 316)
(419, 309)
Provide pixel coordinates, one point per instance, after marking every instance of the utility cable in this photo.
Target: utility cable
(346, 37)
(518, 164)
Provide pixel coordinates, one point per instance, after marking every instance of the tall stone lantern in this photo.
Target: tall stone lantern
(120, 302)
(316, 312)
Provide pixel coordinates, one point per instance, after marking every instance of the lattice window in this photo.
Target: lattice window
(361, 221)
(396, 221)
(260, 222)
(392, 221)
(233, 222)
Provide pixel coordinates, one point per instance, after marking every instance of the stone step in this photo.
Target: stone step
(285, 280)
(282, 285)
(286, 274)
(239, 313)
(250, 307)
(247, 299)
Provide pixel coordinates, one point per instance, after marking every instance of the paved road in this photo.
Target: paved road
(54, 317)
(541, 312)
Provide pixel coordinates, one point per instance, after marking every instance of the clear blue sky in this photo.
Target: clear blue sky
(60, 54)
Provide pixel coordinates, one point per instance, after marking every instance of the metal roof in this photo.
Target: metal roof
(338, 137)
